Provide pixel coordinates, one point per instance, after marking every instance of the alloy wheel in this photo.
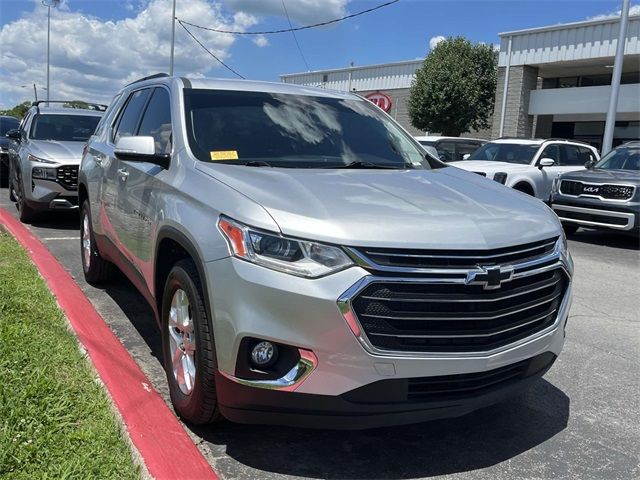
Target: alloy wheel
(182, 345)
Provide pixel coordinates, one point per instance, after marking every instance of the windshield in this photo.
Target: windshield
(505, 152)
(295, 131)
(6, 124)
(63, 128)
(620, 159)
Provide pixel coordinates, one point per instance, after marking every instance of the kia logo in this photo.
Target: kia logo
(591, 189)
(382, 100)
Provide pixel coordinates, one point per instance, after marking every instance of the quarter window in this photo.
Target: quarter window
(128, 121)
(156, 121)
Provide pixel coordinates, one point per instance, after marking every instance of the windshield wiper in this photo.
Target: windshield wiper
(368, 165)
(258, 163)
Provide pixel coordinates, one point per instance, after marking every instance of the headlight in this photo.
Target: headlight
(564, 246)
(33, 158)
(43, 173)
(296, 257)
(555, 186)
(500, 177)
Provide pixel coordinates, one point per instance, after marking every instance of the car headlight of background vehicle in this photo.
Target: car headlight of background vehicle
(44, 173)
(296, 257)
(33, 158)
(500, 177)
(555, 185)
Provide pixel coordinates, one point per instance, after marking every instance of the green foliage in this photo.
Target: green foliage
(55, 419)
(18, 111)
(454, 90)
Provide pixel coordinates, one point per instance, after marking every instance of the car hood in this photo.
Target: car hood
(442, 208)
(491, 167)
(61, 152)
(604, 176)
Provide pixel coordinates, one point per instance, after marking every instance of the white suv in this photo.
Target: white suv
(529, 166)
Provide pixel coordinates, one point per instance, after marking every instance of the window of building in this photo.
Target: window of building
(567, 82)
(595, 80)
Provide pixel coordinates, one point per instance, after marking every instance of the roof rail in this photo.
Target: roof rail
(566, 140)
(156, 75)
(92, 106)
(517, 138)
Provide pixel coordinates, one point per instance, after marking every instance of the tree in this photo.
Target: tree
(18, 111)
(454, 90)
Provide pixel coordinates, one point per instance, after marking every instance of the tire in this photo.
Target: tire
(96, 269)
(570, 228)
(188, 346)
(25, 212)
(524, 188)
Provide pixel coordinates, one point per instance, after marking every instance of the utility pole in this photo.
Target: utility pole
(35, 91)
(173, 37)
(607, 141)
(49, 4)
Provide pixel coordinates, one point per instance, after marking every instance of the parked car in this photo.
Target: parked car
(529, 166)
(6, 123)
(606, 195)
(308, 265)
(450, 149)
(44, 166)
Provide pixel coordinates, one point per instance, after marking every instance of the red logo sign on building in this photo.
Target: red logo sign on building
(380, 99)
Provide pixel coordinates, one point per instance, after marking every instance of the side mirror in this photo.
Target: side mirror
(14, 134)
(140, 149)
(466, 156)
(546, 162)
(590, 164)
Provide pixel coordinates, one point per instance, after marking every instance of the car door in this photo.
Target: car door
(115, 226)
(546, 174)
(144, 182)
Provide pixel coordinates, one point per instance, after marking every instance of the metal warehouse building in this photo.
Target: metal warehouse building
(558, 82)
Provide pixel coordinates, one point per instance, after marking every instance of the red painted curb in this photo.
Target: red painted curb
(153, 428)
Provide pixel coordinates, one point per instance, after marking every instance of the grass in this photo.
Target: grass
(55, 419)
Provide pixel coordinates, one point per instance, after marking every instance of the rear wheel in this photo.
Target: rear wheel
(524, 188)
(96, 269)
(188, 346)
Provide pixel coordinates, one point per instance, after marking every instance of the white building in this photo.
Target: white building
(559, 81)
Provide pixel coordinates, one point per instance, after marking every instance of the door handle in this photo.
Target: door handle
(122, 172)
(98, 160)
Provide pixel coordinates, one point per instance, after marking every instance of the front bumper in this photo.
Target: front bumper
(252, 301)
(43, 194)
(593, 213)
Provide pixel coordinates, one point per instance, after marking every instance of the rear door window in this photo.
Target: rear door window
(128, 120)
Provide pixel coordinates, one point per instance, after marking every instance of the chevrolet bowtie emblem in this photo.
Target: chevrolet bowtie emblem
(489, 277)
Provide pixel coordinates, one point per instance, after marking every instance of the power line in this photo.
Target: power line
(209, 51)
(294, 36)
(297, 29)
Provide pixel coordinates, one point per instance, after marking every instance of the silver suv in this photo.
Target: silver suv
(308, 265)
(43, 165)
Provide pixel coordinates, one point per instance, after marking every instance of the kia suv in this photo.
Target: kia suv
(43, 166)
(309, 264)
(529, 166)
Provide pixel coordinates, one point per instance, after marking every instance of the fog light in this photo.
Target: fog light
(264, 354)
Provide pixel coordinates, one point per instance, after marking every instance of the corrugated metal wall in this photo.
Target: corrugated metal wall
(375, 77)
(563, 43)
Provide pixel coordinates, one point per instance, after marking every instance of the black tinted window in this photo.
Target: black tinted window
(156, 121)
(466, 148)
(294, 131)
(63, 128)
(8, 123)
(572, 156)
(586, 154)
(129, 118)
(446, 151)
(506, 152)
(552, 152)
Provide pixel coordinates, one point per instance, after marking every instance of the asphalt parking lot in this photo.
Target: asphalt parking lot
(581, 421)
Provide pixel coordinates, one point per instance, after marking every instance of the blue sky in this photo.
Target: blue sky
(90, 32)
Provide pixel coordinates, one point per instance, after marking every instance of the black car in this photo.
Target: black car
(6, 123)
(606, 195)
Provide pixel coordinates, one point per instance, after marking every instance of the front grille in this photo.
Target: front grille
(387, 257)
(455, 387)
(420, 316)
(67, 176)
(595, 217)
(608, 191)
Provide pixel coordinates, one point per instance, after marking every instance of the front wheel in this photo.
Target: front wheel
(188, 346)
(25, 212)
(96, 269)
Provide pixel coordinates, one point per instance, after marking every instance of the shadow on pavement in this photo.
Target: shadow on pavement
(69, 220)
(479, 440)
(607, 238)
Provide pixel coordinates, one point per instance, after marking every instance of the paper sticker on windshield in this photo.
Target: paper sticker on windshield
(224, 155)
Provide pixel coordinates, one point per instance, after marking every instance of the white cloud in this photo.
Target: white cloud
(92, 58)
(261, 41)
(301, 11)
(633, 10)
(434, 41)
